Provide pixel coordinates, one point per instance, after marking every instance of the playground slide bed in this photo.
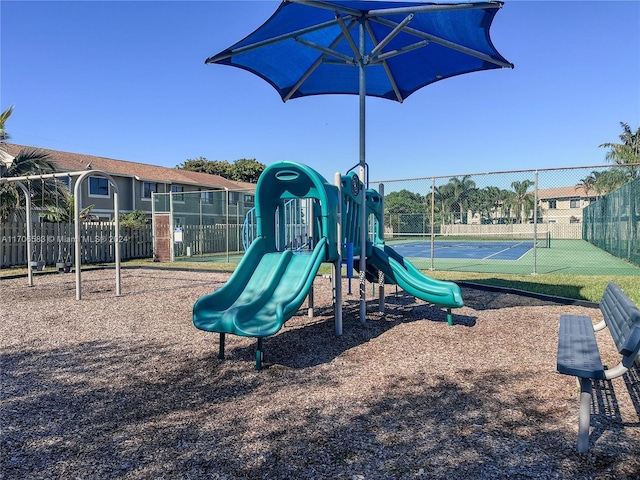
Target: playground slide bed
(127, 388)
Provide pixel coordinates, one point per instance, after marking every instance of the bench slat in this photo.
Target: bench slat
(577, 348)
(623, 320)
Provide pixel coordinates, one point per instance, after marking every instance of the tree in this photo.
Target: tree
(137, 218)
(403, 202)
(627, 152)
(523, 200)
(4, 116)
(247, 170)
(242, 170)
(602, 183)
(459, 195)
(63, 211)
(29, 161)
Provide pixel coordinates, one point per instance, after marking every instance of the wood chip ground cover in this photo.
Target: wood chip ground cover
(127, 388)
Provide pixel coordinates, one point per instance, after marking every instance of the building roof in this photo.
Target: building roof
(564, 192)
(67, 161)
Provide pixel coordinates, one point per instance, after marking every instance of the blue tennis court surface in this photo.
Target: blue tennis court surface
(478, 250)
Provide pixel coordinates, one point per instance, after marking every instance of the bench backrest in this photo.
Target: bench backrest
(623, 319)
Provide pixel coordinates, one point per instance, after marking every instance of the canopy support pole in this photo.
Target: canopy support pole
(361, 171)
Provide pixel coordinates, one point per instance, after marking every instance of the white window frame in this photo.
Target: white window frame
(178, 192)
(99, 195)
(148, 199)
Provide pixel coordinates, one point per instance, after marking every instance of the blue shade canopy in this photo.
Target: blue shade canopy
(307, 46)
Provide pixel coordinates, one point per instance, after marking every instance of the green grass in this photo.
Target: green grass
(580, 287)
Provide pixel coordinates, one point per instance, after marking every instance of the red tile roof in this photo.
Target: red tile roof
(67, 161)
(564, 192)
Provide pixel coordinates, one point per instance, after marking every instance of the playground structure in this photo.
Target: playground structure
(66, 265)
(275, 276)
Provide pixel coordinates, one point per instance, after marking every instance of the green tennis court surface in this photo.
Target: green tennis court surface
(572, 257)
(575, 257)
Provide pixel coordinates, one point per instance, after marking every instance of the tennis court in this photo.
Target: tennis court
(479, 250)
(558, 256)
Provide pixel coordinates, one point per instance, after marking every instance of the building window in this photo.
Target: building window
(574, 203)
(206, 197)
(98, 186)
(148, 189)
(249, 199)
(552, 204)
(178, 193)
(234, 197)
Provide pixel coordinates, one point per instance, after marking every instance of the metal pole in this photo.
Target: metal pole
(431, 223)
(361, 174)
(153, 223)
(77, 199)
(535, 222)
(227, 216)
(337, 267)
(29, 233)
(172, 251)
(380, 272)
(116, 208)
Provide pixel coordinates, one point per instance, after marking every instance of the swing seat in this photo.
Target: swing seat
(63, 267)
(37, 265)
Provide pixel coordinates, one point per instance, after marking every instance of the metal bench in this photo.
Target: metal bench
(578, 353)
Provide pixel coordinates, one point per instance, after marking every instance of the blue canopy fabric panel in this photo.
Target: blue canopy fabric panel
(310, 47)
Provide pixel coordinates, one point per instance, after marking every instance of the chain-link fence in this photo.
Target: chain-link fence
(612, 223)
(199, 225)
(524, 221)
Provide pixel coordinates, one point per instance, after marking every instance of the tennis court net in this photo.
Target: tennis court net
(479, 239)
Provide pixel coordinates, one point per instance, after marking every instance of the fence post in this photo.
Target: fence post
(535, 221)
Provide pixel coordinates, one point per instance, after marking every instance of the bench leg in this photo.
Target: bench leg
(584, 418)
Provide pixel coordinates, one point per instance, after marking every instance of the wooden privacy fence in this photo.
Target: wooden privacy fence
(54, 242)
(191, 240)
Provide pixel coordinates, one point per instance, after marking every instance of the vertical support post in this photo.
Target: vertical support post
(171, 229)
(221, 346)
(449, 317)
(584, 417)
(116, 209)
(259, 354)
(431, 223)
(227, 220)
(77, 200)
(310, 301)
(535, 223)
(27, 199)
(337, 268)
(361, 173)
(380, 272)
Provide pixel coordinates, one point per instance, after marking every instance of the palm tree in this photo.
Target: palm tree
(4, 116)
(494, 199)
(604, 182)
(461, 189)
(443, 196)
(589, 182)
(523, 200)
(626, 153)
(29, 161)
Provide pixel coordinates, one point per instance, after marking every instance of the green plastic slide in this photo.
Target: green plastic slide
(266, 289)
(403, 273)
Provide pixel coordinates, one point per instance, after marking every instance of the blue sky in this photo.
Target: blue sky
(127, 80)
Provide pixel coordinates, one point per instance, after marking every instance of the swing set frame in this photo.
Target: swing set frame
(81, 175)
